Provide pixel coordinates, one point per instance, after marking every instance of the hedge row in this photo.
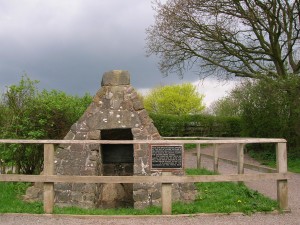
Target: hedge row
(197, 125)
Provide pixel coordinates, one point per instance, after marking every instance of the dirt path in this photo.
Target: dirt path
(227, 151)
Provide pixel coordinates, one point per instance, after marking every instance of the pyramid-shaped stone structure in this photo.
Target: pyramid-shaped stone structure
(116, 113)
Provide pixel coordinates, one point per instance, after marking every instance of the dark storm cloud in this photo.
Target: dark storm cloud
(68, 44)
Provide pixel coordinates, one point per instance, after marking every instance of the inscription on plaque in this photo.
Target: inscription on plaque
(166, 156)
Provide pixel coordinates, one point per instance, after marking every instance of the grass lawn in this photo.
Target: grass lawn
(269, 159)
(293, 164)
(11, 201)
(224, 197)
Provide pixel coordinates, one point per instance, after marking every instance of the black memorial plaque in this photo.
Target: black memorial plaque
(166, 156)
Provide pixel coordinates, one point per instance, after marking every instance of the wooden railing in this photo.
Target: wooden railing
(48, 177)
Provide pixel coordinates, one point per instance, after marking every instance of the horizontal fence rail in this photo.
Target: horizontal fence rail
(210, 141)
(142, 179)
(48, 178)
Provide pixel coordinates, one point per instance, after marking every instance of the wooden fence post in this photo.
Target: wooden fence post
(282, 185)
(240, 158)
(166, 196)
(48, 170)
(198, 156)
(216, 158)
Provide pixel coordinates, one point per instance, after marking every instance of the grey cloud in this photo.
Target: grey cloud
(68, 45)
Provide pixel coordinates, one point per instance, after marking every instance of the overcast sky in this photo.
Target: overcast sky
(68, 44)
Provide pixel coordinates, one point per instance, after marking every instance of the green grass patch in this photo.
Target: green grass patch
(11, 199)
(268, 158)
(188, 146)
(294, 165)
(191, 146)
(121, 211)
(225, 197)
(220, 197)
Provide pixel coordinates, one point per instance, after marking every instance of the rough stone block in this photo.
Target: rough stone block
(80, 136)
(156, 194)
(77, 187)
(139, 153)
(127, 105)
(175, 194)
(115, 77)
(144, 117)
(99, 95)
(93, 158)
(156, 202)
(33, 194)
(145, 148)
(138, 104)
(76, 196)
(70, 135)
(94, 135)
(63, 186)
(63, 196)
(156, 136)
(136, 131)
(62, 153)
(137, 186)
(92, 147)
(89, 197)
(140, 195)
(141, 205)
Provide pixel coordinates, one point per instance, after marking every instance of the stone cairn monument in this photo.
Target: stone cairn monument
(116, 113)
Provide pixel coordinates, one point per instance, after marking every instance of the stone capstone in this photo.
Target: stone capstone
(115, 78)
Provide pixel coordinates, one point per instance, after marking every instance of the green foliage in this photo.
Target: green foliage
(270, 108)
(57, 111)
(27, 113)
(197, 125)
(228, 106)
(174, 100)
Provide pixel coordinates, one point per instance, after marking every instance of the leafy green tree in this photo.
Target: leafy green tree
(178, 99)
(57, 111)
(16, 103)
(30, 114)
(224, 107)
(270, 108)
(245, 38)
(228, 106)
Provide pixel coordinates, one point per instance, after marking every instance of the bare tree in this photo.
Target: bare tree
(244, 38)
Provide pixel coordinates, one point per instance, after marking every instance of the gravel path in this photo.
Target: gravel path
(266, 187)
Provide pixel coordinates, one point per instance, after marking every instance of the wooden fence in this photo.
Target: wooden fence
(48, 178)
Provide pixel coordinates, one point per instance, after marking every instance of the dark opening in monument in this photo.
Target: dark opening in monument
(117, 160)
(117, 153)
